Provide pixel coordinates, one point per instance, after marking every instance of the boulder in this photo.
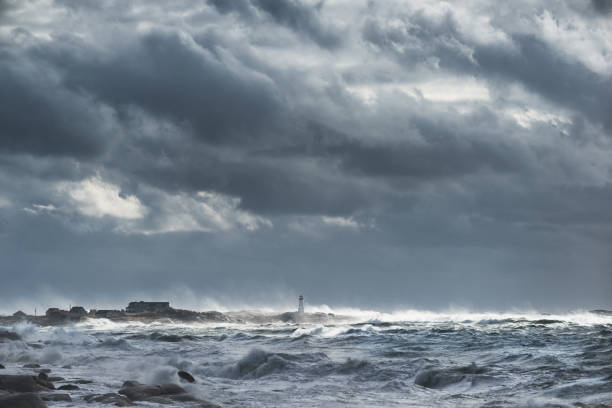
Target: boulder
(56, 397)
(56, 379)
(1, 366)
(160, 394)
(186, 376)
(81, 381)
(141, 392)
(23, 383)
(110, 398)
(68, 387)
(25, 400)
(31, 365)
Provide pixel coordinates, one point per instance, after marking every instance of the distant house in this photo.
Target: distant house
(77, 311)
(19, 314)
(55, 313)
(147, 307)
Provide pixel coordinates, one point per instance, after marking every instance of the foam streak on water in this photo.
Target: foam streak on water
(409, 358)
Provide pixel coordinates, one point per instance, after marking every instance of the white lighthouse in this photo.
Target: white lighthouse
(301, 304)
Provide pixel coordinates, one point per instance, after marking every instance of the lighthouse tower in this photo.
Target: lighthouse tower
(301, 304)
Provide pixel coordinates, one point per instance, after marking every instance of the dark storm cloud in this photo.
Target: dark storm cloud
(375, 151)
(168, 77)
(301, 18)
(602, 6)
(39, 118)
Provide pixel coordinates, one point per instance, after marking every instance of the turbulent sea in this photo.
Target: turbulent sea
(408, 359)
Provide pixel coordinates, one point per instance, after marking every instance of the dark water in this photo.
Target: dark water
(411, 359)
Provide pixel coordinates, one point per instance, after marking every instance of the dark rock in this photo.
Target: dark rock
(44, 370)
(186, 376)
(130, 383)
(56, 397)
(55, 379)
(141, 392)
(110, 398)
(23, 383)
(31, 365)
(81, 381)
(68, 387)
(7, 335)
(67, 366)
(26, 400)
(43, 376)
(1, 366)
(160, 394)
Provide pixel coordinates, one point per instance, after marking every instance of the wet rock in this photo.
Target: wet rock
(67, 366)
(81, 381)
(160, 394)
(110, 398)
(1, 366)
(56, 379)
(23, 383)
(25, 400)
(44, 370)
(36, 345)
(7, 335)
(141, 392)
(68, 387)
(186, 376)
(32, 365)
(56, 397)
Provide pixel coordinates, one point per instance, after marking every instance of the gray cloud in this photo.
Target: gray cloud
(293, 14)
(414, 155)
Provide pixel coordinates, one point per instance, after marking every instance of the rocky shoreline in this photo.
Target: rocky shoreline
(154, 311)
(34, 391)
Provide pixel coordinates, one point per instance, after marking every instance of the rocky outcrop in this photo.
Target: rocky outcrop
(25, 400)
(24, 383)
(110, 398)
(161, 394)
(68, 387)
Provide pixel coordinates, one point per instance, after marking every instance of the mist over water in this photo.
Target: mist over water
(361, 358)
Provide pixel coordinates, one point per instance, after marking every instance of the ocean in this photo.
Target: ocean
(357, 358)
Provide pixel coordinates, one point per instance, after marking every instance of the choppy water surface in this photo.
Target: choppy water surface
(407, 359)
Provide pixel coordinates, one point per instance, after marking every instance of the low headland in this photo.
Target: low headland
(142, 311)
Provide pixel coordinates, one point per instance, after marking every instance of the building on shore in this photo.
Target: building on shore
(77, 311)
(147, 307)
(55, 313)
(19, 314)
(301, 304)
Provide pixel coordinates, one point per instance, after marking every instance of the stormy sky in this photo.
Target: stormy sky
(237, 153)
